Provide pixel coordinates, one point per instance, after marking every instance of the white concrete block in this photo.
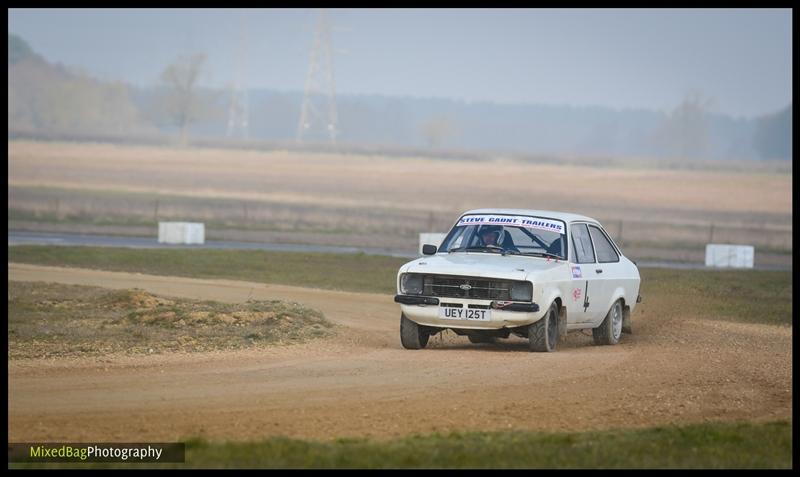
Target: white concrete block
(181, 232)
(733, 256)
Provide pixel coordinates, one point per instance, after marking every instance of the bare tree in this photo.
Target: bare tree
(436, 130)
(180, 102)
(691, 119)
(685, 131)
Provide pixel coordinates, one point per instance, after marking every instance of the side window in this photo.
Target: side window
(453, 239)
(582, 244)
(605, 251)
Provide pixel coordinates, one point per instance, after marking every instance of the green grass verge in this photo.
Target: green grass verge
(749, 296)
(739, 295)
(354, 272)
(709, 445)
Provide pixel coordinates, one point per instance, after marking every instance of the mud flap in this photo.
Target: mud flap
(626, 320)
(562, 321)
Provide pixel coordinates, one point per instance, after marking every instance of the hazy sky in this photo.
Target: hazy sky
(741, 59)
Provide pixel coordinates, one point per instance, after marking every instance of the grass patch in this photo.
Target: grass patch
(47, 320)
(754, 296)
(710, 445)
(353, 272)
(749, 296)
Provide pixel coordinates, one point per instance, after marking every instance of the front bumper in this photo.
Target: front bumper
(425, 311)
(415, 300)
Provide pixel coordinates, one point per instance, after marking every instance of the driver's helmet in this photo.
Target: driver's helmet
(496, 230)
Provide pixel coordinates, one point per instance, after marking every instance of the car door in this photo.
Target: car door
(608, 268)
(582, 307)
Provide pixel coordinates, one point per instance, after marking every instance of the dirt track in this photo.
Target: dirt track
(676, 368)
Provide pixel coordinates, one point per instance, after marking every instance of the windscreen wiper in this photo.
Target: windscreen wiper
(474, 249)
(546, 254)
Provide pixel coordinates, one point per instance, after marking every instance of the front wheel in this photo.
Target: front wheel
(543, 335)
(412, 336)
(610, 329)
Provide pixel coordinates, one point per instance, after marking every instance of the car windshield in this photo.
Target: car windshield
(508, 234)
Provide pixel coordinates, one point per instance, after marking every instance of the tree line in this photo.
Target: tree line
(55, 98)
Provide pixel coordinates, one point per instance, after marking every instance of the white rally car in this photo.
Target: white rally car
(534, 273)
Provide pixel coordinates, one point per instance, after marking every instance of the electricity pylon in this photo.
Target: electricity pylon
(315, 118)
(238, 108)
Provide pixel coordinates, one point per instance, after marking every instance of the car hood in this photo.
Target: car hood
(511, 267)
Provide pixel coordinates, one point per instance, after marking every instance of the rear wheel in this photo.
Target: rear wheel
(543, 335)
(412, 336)
(610, 329)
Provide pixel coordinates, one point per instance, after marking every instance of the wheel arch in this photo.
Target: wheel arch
(618, 294)
(562, 316)
(626, 311)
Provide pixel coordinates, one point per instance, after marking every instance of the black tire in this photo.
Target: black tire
(478, 339)
(610, 329)
(543, 335)
(412, 336)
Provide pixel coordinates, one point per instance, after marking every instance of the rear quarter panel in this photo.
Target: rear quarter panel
(625, 285)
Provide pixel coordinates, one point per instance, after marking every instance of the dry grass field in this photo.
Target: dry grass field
(381, 201)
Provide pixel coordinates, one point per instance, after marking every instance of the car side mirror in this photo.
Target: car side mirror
(428, 249)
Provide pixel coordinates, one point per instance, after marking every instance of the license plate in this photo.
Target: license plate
(475, 314)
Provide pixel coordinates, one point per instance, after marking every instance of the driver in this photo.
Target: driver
(490, 235)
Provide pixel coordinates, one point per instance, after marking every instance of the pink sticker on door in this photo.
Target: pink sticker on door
(576, 294)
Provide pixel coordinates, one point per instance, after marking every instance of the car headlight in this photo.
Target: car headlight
(411, 284)
(521, 291)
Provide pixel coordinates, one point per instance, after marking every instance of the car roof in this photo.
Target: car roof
(565, 216)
